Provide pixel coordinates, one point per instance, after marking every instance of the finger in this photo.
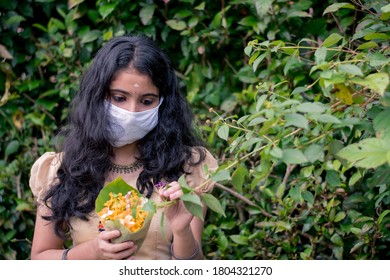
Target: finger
(174, 189)
(127, 253)
(175, 195)
(109, 234)
(118, 250)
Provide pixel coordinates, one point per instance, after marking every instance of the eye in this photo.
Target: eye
(147, 102)
(118, 98)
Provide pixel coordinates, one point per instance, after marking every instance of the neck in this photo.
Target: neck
(126, 154)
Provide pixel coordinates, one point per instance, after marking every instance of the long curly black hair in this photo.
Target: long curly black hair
(86, 149)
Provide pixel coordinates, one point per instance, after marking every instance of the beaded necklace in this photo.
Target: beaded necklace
(126, 169)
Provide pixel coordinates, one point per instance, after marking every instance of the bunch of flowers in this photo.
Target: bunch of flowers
(122, 207)
(128, 209)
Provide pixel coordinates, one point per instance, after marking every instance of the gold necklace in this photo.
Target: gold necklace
(126, 169)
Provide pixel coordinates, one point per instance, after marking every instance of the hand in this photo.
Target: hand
(110, 251)
(178, 216)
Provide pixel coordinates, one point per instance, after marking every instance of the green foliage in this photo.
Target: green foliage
(300, 96)
(313, 150)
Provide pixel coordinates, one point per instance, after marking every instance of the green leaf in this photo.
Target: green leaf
(382, 215)
(116, 186)
(377, 36)
(276, 152)
(183, 185)
(223, 132)
(223, 242)
(326, 118)
(338, 252)
(91, 36)
(332, 178)
(200, 7)
(221, 175)
(339, 216)
(386, 9)
(262, 7)
(343, 93)
(292, 156)
(377, 82)
(74, 3)
(260, 102)
(12, 148)
(176, 24)
(357, 246)
(149, 206)
(248, 50)
(331, 40)
(213, 203)
(296, 120)
(258, 60)
(239, 239)
(320, 55)
(335, 7)
(298, 14)
(308, 196)
(146, 14)
(382, 125)
(17, 19)
(295, 193)
(194, 209)
(314, 152)
(238, 177)
(307, 171)
(350, 69)
(107, 9)
(354, 178)
(308, 107)
(377, 59)
(191, 197)
(336, 239)
(369, 153)
(55, 24)
(367, 45)
(257, 121)
(280, 190)
(356, 231)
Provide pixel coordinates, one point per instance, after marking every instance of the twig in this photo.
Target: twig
(289, 169)
(40, 107)
(243, 198)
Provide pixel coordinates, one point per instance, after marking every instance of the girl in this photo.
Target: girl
(128, 119)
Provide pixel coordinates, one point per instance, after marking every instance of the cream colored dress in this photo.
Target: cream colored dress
(155, 246)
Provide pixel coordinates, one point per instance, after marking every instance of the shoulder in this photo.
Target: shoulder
(199, 173)
(43, 173)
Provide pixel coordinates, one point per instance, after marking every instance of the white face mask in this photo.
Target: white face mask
(128, 127)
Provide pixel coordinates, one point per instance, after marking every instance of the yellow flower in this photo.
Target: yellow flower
(127, 209)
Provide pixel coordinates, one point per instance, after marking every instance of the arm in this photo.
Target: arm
(187, 229)
(185, 243)
(48, 246)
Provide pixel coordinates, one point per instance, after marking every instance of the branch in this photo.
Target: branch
(243, 198)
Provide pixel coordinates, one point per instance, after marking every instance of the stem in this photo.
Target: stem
(40, 107)
(243, 198)
(245, 157)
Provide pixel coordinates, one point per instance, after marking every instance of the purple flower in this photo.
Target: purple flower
(160, 185)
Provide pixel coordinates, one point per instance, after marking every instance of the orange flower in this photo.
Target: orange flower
(127, 209)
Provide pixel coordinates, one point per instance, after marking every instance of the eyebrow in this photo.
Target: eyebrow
(128, 93)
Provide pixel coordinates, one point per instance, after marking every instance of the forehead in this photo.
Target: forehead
(130, 79)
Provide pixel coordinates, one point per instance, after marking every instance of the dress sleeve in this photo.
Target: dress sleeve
(43, 174)
(197, 175)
